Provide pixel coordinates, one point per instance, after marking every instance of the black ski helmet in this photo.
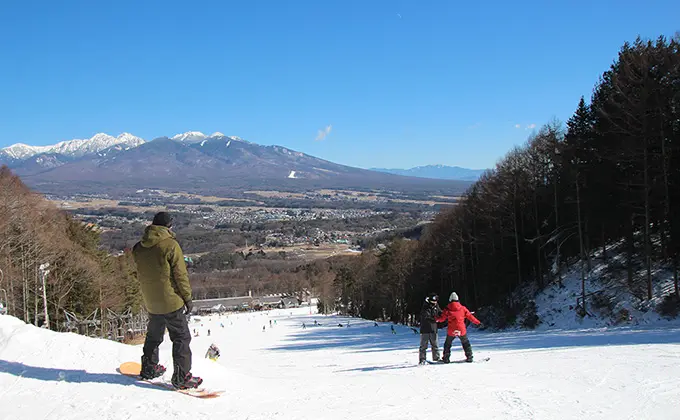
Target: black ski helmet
(432, 298)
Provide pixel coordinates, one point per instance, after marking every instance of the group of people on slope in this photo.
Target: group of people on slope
(166, 292)
(454, 314)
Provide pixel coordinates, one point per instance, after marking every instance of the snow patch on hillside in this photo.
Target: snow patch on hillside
(610, 301)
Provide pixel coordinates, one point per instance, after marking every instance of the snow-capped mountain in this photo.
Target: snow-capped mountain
(188, 161)
(75, 147)
(21, 151)
(197, 137)
(190, 137)
(99, 142)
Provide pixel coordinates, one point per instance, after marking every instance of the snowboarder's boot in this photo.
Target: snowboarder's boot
(467, 348)
(151, 370)
(186, 382)
(447, 355)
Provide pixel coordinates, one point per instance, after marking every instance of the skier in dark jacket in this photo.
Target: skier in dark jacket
(166, 291)
(428, 328)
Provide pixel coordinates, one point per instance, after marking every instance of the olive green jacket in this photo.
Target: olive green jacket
(161, 271)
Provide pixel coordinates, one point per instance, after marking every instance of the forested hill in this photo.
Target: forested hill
(611, 175)
(38, 241)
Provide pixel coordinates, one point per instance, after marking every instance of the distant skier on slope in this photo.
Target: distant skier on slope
(166, 291)
(428, 328)
(213, 353)
(456, 314)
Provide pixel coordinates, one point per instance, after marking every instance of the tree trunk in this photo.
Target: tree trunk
(462, 266)
(25, 285)
(604, 246)
(35, 296)
(11, 292)
(539, 271)
(580, 240)
(667, 199)
(473, 268)
(648, 242)
(586, 245)
(557, 223)
(630, 249)
(519, 270)
(675, 276)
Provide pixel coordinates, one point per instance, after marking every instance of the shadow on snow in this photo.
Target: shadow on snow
(69, 375)
(364, 336)
(376, 368)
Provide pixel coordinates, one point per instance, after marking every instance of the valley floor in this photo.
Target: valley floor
(358, 371)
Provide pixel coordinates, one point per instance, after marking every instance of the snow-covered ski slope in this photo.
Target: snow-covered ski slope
(357, 371)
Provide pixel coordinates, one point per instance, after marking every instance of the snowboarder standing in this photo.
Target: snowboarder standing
(456, 314)
(428, 327)
(166, 291)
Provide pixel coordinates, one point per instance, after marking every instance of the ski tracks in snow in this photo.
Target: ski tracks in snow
(516, 407)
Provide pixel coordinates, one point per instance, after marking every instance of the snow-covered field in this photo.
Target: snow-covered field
(358, 371)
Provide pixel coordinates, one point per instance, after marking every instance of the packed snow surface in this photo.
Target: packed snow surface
(357, 370)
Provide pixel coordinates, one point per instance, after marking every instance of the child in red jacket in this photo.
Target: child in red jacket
(456, 314)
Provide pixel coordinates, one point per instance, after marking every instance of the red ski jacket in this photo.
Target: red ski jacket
(455, 314)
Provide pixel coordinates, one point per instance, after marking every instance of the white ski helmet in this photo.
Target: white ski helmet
(453, 297)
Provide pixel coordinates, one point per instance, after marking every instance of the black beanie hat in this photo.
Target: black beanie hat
(162, 219)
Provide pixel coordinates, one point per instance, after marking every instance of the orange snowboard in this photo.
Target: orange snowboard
(132, 369)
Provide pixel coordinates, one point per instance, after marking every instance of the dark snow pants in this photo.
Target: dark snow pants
(430, 338)
(178, 329)
(467, 348)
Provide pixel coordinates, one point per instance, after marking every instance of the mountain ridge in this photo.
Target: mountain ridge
(436, 172)
(193, 160)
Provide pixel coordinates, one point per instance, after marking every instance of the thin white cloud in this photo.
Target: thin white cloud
(475, 125)
(323, 133)
(518, 126)
(531, 126)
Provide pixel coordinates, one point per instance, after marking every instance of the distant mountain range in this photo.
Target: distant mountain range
(191, 161)
(72, 148)
(437, 172)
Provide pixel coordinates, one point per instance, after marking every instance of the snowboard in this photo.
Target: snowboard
(439, 362)
(132, 369)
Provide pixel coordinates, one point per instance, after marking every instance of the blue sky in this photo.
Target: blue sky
(394, 83)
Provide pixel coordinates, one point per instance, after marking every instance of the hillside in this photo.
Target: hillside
(358, 370)
(610, 299)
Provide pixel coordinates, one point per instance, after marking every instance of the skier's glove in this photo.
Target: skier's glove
(189, 305)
